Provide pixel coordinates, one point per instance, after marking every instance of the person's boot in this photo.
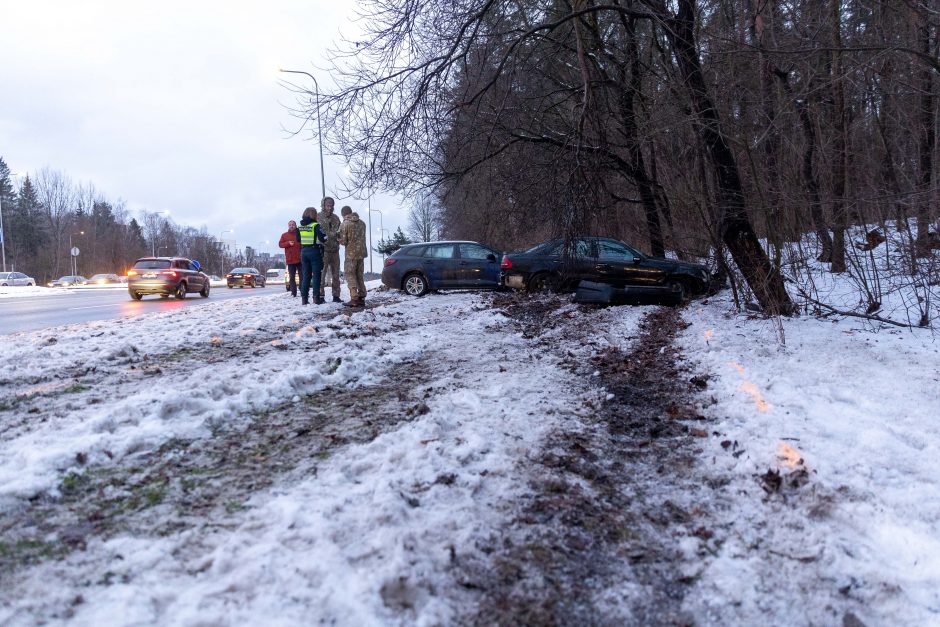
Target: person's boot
(337, 299)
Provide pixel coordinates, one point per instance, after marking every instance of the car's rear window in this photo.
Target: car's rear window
(152, 264)
(273, 274)
(242, 271)
(410, 251)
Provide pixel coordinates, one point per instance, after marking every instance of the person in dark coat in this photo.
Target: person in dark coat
(290, 242)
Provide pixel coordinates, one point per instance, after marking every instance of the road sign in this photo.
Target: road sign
(75, 251)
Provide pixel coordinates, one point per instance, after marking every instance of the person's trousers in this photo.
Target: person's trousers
(331, 270)
(355, 278)
(311, 264)
(293, 269)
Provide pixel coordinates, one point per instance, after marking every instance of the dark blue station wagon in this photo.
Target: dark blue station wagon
(420, 268)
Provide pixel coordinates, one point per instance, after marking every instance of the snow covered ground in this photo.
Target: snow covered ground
(847, 413)
(421, 420)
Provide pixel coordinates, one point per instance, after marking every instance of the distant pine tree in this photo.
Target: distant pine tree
(388, 246)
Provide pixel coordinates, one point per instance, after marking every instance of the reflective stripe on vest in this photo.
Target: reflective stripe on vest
(308, 235)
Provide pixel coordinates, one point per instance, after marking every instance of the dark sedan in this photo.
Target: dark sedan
(420, 268)
(68, 280)
(602, 260)
(245, 277)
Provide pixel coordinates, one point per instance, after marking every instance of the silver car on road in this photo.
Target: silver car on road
(16, 278)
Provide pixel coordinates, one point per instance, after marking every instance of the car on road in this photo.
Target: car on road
(602, 260)
(68, 280)
(104, 279)
(166, 276)
(16, 278)
(420, 268)
(245, 277)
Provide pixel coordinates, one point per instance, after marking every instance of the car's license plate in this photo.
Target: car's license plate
(149, 275)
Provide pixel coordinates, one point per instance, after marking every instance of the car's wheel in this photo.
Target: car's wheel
(180, 291)
(416, 285)
(205, 290)
(680, 290)
(4, 284)
(135, 295)
(31, 284)
(544, 282)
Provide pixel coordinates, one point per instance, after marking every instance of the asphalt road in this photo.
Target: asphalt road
(29, 313)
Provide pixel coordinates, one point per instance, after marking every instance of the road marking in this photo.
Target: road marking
(93, 306)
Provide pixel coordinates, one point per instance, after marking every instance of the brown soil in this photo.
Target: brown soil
(599, 515)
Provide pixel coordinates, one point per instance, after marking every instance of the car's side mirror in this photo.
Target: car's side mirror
(491, 257)
(637, 260)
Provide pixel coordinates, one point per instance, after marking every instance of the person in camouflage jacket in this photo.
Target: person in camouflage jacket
(352, 235)
(330, 224)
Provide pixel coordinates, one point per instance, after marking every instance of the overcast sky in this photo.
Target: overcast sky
(174, 105)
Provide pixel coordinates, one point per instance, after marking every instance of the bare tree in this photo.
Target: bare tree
(424, 219)
(56, 194)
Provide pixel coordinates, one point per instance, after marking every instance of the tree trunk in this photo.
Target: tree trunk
(733, 223)
(839, 161)
(926, 140)
(634, 146)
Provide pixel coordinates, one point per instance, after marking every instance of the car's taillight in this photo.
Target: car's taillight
(229, 276)
(171, 273)
(131, 273)
(506, 263)
(389, 261)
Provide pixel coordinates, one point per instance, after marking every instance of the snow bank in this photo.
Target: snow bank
(370, 535)
(854, 406)
(22, 291)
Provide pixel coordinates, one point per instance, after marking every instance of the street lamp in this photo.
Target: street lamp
(381, 228)
(74, 265)
(382, 233)
(222, 250)
(3, 239)
(319, 134)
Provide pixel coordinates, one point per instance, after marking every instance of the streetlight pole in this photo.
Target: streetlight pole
(74, 266)
(3, 234)
(382, 233)
(319, 133)
(381, 228)
(222, 250)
